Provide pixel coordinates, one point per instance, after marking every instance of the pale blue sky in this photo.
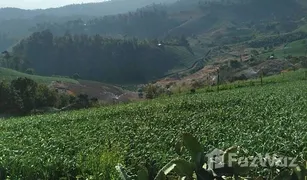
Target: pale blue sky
(35, 4)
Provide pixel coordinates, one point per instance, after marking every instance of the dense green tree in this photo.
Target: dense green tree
(45, 97)
(254, 52)
(27, 90)
(96, 57)
(30, 71)
(148, 22)
(23, 95)
(10, 100)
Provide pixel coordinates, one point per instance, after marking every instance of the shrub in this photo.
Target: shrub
(196, 84)
(140, 93)
(83, 101)
(152, 91)
(94, 102)
(23, 95)
(76, 76)
(30, 71)
(45, 97)
(27, 90)
(235, 64)
(255, 52)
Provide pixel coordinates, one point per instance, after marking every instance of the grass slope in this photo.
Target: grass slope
(295, 48)
(262, 119)
(9, 75)
(102, 91)
(185, 60)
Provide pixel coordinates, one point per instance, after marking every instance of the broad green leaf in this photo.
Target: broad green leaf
(165, 170)
(191, 143)
(284, 175)
(179, 148)
(160, 176)
(194, 147)
(122, 172)
(143, 173)
(203, 174)
(241, 170)
(183, 168)
(300, 171)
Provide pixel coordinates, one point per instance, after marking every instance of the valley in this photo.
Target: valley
(145, 89)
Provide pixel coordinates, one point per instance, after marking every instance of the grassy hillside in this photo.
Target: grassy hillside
(206, 25)
(102, 91)
(185, 58)
(302, 28)
(295, 48)
(267, 119)
(9, 74)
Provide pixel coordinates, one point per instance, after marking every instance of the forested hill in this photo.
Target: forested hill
(188, 17)
(149, 22)
(124, 47)
(96, 57)
(16, 24)
(107, 7)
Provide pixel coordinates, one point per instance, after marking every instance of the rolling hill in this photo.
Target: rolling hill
(106, 93)
(90, 143)
(87, 9)
(236, 69)
(9, 74)
(207, 25)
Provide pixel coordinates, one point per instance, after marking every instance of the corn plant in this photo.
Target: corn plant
(262, 119)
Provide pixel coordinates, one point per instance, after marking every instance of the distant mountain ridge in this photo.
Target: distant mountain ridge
(87, 9)
(150, 41)
(216, 19)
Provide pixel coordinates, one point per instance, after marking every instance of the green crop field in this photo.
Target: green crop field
(262, 119)
(9, 74)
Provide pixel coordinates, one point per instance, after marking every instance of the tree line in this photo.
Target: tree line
(96, 57)
(147, 22)
(277, 39)
(23, 96)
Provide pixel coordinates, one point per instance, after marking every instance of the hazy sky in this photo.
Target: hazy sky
(35, 4)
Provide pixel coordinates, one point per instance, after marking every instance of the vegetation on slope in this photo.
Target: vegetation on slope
(255, 24)
(295, 49)
(96, 57)
(22, 95)
(9, 75)
(89, 143)
(83, 10)
(159, 20)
